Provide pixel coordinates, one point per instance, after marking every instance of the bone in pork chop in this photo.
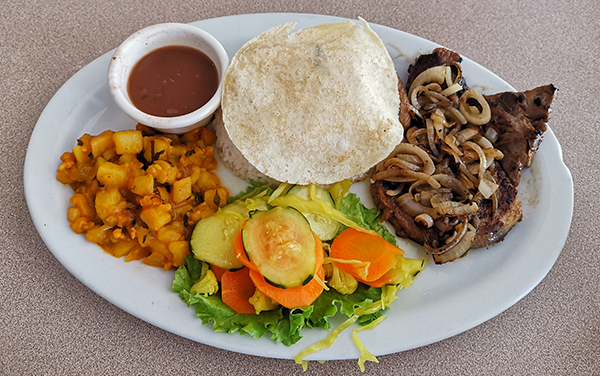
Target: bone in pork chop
(520, 121)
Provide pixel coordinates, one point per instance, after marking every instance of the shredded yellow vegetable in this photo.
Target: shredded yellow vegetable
(387, 296)
(281, 190)
(323, 344)
(317, 206)
(364, 353)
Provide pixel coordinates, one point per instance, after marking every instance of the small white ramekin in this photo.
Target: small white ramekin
(149, 39)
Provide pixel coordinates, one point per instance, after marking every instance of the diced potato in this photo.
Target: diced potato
(181, 190)
(81, 225)
(98, 234)
(123, 248)
(157, 148)
(128, 142)
(195, 175)
(168, 234)
(82, 155)
(216, 198)
(178, 150)
(199, 212)
(83, 206)
(115, 185)
(155, 259)
(156, 216)
(101, 143)
(112, 175)
(143, 185)
(138, 253)
(208, 180)
(163, 193)
(73, 213)
(192, 136)
(109, 154)
(179, 249)
(208, 137)
(108, 202)
(163, 172)
(143, 236)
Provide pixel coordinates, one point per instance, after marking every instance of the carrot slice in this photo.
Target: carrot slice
(376, 256)
(218, 271)
(236, 290)
(294, 297)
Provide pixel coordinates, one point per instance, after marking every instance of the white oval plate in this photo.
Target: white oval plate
(466, 292)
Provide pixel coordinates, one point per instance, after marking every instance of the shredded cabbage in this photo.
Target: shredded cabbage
(388, 295)
(323, 344)
(338, 191)
(364, 353)
(317, 206)
(280, 191)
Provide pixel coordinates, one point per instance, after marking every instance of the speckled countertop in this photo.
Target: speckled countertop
(52, 324)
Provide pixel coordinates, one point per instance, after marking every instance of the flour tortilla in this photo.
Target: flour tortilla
(316, 106)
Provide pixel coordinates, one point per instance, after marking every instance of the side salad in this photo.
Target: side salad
(277, 261)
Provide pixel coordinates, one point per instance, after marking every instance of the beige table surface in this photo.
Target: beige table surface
(52, 324)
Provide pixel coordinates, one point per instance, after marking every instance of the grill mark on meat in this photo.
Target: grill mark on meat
(520, 120)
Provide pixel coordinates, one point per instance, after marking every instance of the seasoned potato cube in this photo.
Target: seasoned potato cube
(82, 154)
(128, 142)
(81, 225)
(216, 198)
(208, 180)
(143, 185)
(155, 259)
(98, 234)
(181, 190)
(138, 253)
(123, 248)
(101, 143)
(180, 250)
(163, 171)
(109, 153)
(108, 202)
(208, 137)
(168, 234)
(83, 206)
(143, 236)
(156, 216)
(178, 150)
(157, 148)
(112, 175)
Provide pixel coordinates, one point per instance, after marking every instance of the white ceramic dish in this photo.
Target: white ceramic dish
(470, 290)
(149, 39)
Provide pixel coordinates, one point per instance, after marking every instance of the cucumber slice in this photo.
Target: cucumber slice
(212, 238)
(325, 227)
(281, 245)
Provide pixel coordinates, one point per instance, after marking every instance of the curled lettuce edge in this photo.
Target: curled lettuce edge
(285, 326)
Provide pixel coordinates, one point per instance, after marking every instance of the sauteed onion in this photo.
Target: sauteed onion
(439, 173)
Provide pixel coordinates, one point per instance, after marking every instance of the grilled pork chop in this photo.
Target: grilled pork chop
(520, 120)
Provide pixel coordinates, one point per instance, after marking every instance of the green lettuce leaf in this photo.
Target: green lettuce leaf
(285, 325)
(369, 218)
